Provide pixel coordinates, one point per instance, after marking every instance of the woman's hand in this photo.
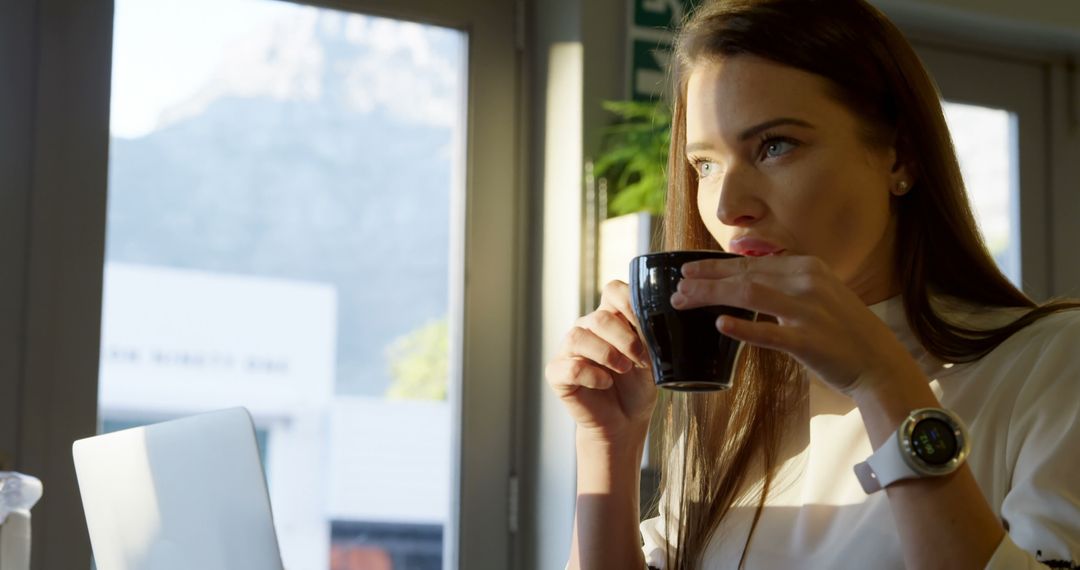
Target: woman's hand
(820, 321)
(601, 371)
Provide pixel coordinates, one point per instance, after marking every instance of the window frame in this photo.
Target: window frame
(1049, 202)
(53, 209)
(1020, 88)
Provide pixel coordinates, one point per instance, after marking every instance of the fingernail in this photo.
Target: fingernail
(688, 269)
(678, 299)
(724, 324)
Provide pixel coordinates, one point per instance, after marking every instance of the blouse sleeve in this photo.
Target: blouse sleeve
(1041, 511)
(653, 531)
(653, 542)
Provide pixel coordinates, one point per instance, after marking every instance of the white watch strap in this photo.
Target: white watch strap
(884, 467)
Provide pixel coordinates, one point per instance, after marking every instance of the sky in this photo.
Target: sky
(166, 51)
(178, 32)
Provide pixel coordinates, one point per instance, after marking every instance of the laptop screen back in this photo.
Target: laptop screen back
(188, 493)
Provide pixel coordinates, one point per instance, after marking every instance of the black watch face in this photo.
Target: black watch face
(933, 441)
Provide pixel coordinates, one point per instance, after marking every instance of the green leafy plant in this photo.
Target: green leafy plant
(419, 362)
(633, 156)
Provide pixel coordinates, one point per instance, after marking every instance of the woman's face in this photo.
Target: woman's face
(783, 168)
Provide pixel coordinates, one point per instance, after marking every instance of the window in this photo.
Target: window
(278, 237)
(985, 141)
(55, 253)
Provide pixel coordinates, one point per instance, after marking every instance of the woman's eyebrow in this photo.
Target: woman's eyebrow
(754, 130)
(748, 133)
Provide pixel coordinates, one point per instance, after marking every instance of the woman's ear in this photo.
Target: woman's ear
(904, 171)
(902, 179)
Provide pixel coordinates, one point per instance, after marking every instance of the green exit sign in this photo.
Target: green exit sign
(659, 14)
(652, 31)
(648, 68)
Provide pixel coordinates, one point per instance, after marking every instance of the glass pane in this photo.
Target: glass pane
(985, 142)
(280, 183)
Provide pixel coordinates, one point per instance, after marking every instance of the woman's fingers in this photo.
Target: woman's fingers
(765, 334)
(792, 289)
(727, 267)
(614, 329)
(768, 293)
(566, 375)
(583, 341)
(615, 297)
(600, 343)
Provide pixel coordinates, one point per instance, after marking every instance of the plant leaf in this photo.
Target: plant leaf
(633, 156)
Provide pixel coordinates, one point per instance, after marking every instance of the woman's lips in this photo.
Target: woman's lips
(754, 247)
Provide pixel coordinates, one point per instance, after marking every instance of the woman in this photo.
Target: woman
(808, 137)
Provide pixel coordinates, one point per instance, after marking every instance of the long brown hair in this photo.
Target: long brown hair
(729, 442)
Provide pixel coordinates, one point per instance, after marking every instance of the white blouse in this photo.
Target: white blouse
(1021, 404)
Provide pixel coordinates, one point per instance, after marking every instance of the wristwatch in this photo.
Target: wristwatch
(929, 443)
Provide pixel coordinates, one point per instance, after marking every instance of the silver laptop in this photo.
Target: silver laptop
(188, 493)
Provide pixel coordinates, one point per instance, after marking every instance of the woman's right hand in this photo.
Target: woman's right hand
(602, 371)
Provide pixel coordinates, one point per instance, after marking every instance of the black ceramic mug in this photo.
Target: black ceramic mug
(688, 353)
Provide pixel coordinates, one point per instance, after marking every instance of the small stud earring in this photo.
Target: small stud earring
(901, 188)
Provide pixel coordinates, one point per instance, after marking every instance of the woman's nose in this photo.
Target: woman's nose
(738, 204)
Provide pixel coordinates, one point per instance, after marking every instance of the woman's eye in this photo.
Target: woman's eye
(706, 168)
(773, 148)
